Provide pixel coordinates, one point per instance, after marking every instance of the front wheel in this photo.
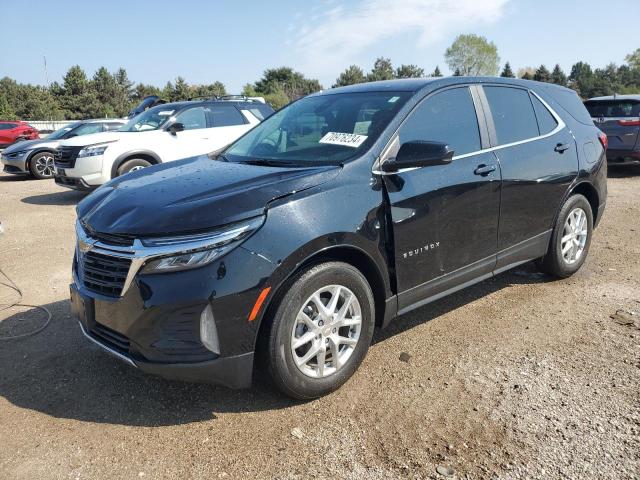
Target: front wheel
(570, 239)
(133, 165)
(321, 330)
(41, 165)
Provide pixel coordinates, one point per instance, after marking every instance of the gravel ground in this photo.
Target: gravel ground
(517, 377)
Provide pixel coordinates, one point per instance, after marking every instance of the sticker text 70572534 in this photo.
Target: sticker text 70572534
(345, 139)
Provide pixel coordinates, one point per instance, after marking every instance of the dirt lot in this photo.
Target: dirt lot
(517, 377)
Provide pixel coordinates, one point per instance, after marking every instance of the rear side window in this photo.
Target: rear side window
(225, 116)
(569, 101)
(546, 122)
(615, 108)
(512, 112)
(447, 117)
(8, 126)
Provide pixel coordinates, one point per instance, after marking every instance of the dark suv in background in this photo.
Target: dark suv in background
(618, 116)
(336, 214)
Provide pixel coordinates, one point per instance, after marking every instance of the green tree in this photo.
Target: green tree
(409, 71)
(382, 70)
(558, 76)
(507, 72)
(473, 55)
(436, 72)
(581, 79)
(526, 73)
(457, 73)
(6, 112)
(542, 74)
(285, 80)
(350, 76)
(526, 76)
(633, 59)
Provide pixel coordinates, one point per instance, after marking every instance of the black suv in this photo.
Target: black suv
(333, 216)
(618, 116)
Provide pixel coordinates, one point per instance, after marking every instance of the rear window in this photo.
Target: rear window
(613, 108)
(512, 113)
(8, 126)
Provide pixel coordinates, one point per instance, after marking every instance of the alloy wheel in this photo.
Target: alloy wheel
(44, 166)
(574, 236)
(326, 331)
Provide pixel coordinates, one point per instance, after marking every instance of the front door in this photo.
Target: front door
(445, 217)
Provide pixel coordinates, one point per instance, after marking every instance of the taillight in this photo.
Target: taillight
(603, 140)
(629, 123)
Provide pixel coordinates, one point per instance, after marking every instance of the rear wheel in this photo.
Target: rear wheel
(133, 165)
(41, 165)
(321, 330)
(570, 239)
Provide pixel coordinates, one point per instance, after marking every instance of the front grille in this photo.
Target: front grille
(113, 339)
(119, 240)
(65, 157)
(104, 274)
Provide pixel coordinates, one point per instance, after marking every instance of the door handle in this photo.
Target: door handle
(484, 170)
(561, 147)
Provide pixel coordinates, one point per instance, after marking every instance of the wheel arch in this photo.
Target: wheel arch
(147, 155)
(348, 254)
(35, 152)
(587, 190)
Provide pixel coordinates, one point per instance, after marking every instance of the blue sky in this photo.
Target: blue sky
(234, 41)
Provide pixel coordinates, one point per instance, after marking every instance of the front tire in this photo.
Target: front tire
(133, 165)
(41, 165)
(570, 239)
(321, 330)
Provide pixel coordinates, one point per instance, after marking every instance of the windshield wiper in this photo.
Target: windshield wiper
(264, 162)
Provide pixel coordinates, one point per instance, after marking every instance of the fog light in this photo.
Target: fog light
(208, 331)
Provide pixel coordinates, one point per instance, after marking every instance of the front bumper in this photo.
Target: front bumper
(15, 164)
(155, 324)
(85, 174)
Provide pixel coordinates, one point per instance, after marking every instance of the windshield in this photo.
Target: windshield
(152, 119)
(58, 134)
(324, 129)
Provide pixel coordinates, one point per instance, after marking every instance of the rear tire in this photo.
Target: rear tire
(340, 330)
(570, 239)
(41, 165)
(133, 165)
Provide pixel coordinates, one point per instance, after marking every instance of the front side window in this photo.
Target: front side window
(8, 126)
(86, 129)
(512, 112)
(225, 116)
(192, 118)
(322, 129)
(448, 117)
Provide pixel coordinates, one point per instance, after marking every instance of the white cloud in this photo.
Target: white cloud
(334, 37)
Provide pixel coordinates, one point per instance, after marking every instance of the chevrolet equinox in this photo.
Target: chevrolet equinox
(283, 251)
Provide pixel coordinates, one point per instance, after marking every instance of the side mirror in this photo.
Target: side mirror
(419, 154)
(175, 128)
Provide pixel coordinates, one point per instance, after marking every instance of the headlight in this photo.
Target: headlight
(192, 251)
(21, 153)
(92, 151)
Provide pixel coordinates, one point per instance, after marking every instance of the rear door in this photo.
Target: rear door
(444, 217)
(619, 120)
(537, 154)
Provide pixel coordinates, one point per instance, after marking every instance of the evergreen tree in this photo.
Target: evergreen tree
(542, 74)
(409, 71)
(507, 72)
(436, 72)
(558, 76)
(350, 76)
(382, 70)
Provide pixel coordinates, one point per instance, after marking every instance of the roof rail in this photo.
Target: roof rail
(228, 98)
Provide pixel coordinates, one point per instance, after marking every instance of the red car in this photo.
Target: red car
(11, 132)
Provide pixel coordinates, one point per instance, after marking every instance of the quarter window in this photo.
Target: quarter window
(225, 116)
(193, 118)
(448, 117)
(546, 122)
(512, 113)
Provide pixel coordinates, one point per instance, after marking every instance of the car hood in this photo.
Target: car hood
(92, 139)
(191, 195)
(28, 145)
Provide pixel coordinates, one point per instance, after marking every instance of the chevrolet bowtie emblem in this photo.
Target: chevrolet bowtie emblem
(84, 246)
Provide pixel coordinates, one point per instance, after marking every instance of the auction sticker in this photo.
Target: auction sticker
(345, 139)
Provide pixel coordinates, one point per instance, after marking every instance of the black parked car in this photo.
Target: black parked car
(333, 216)
(618, 116)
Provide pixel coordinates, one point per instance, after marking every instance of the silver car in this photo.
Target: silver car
(35, 157)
